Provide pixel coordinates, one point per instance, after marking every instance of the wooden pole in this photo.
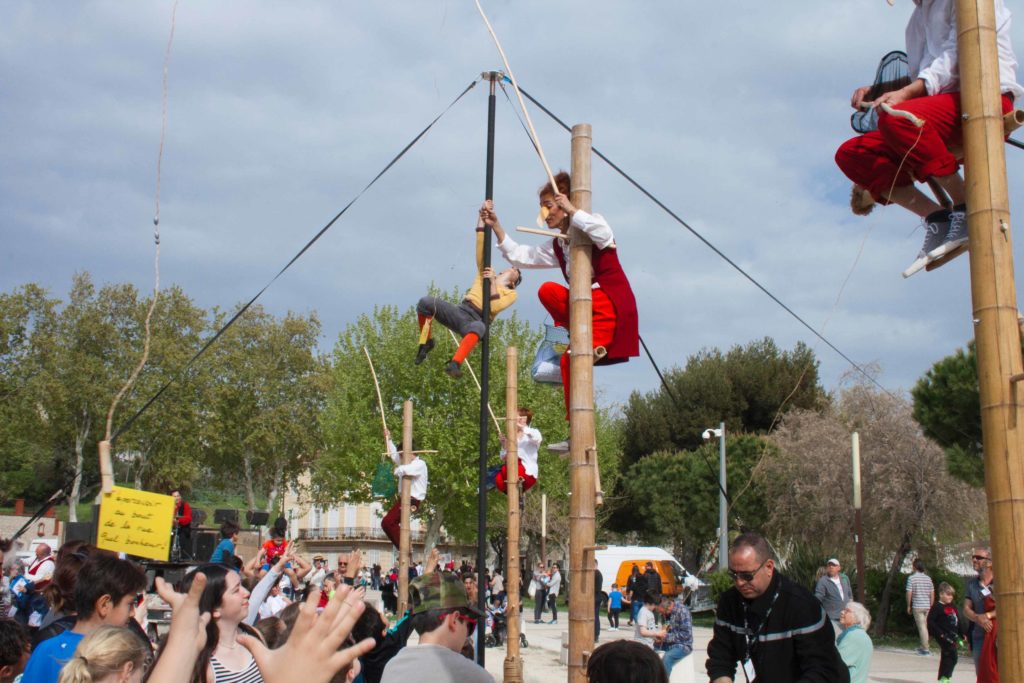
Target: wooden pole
(404, 545)
(582, 441)
(858, 521)
(994, 301)
(513, 663)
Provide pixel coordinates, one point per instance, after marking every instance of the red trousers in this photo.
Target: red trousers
(555, 298)
(502, 484)
(871, 159)
(392, 522)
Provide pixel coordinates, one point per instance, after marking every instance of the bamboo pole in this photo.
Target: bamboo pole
(380, 401)
(513, 663)
(994, 302)
(404, 549)
(582, 449)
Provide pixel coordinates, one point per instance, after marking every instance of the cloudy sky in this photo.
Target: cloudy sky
(280, 113)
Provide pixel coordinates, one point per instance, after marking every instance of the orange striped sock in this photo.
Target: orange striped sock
(468, 342)
(425, 324)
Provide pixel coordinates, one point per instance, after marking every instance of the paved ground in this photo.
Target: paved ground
(540, 660)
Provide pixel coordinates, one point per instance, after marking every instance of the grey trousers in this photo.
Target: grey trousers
(461, 319)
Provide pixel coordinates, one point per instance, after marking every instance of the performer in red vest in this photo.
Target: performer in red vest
(616, 337)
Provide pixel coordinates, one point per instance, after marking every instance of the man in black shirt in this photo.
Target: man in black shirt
(773, 628)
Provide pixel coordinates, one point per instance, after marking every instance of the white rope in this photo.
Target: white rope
(156, 238)
(522, 104)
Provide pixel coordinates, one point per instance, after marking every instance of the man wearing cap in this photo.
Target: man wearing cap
(444, 618)
(833, 592)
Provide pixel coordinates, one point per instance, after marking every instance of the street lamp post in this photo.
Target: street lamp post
(723, 523)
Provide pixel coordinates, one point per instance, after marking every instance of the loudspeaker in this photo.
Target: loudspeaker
(257, 517)
(221, 515)
(204, 542)
(78, 531)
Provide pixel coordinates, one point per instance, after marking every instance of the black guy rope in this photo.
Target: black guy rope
(295, 258)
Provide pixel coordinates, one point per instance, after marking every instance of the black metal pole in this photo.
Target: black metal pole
(485, 359)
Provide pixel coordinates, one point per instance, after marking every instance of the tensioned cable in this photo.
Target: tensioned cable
(288, 265)
(713, 248)
(672, 395)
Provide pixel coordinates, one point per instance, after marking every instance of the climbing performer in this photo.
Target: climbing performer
(614, 324)
(467, 318)
(887, 161)
(416, 470)
(527, 444)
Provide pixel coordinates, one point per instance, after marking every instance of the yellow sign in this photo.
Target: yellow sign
(136, 523)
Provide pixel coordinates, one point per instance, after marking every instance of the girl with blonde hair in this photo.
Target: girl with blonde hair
(110, 654)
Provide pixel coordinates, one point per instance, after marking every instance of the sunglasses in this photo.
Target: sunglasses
(745, 577)
(980, 557)
(469, 621)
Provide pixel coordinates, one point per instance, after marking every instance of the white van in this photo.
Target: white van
(616, 564)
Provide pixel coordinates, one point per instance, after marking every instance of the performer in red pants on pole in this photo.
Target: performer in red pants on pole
(614, 324)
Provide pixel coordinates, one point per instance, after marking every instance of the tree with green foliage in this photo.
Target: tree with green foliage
(162, 449)
(445, 418)
(948, 408)
(676, 496)
(909, 500)
(749, 388)
(268, 387)
(27, 327)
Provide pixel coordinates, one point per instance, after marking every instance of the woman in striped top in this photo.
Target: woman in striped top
(223, 660)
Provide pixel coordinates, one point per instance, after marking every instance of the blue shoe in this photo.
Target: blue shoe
(492, 477)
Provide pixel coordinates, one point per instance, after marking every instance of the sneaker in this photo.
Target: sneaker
(924, 653)
(613, 628)
(553, 621)
(560, 447)
(936, 226)
(453, 369)
(423, 350)
(955, 237)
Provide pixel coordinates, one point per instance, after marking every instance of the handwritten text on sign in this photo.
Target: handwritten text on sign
(136, 522)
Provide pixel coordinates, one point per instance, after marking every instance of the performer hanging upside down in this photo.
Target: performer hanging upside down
(467, 319)
(527, 444)
(886, 162)
(614, 324)
(416, 470)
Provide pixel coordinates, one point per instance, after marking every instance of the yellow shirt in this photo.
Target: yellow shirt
(501, 297)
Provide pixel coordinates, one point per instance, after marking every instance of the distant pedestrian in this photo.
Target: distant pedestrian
(554, 585)
(854, 643)
(614, 607)
(945, 624)
(678, 641)
(833, 592)
(920, 596)
(540, 591)
(636, 589)
(646, 629)
(598, 599)
(978, 589)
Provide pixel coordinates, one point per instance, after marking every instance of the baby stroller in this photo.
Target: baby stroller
(498, 627)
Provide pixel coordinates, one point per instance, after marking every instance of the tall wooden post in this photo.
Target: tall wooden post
(404, 544)
(513, 663)
(858, 519)
(994, 300)
(582, 437)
